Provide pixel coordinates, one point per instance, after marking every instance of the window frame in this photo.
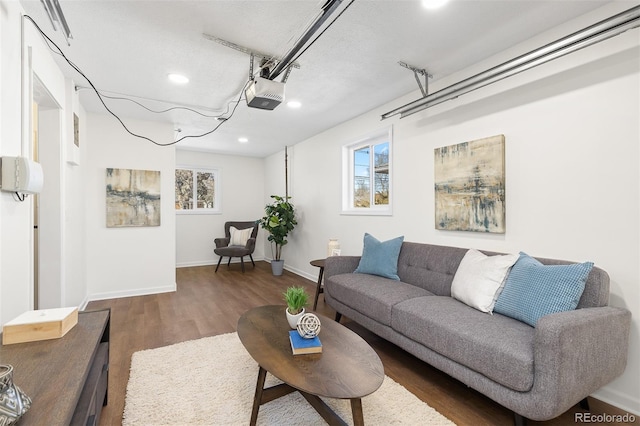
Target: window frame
(217, 200)
(348, 173)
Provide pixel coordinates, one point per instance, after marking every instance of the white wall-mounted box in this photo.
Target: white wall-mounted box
(19, 174)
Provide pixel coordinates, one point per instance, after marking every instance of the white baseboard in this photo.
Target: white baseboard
(303, 274)
(134, 292)
(210, 262)
(83, 304)
(195, 263)
(619, 400)
(295, 271)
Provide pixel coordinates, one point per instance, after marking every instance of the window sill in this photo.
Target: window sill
(366, 212)
(197, 212)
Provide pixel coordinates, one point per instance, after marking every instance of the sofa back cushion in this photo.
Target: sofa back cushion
(429, 266)
(433, 267)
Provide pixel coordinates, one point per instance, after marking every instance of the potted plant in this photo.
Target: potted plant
(296, 299)
(278, 221)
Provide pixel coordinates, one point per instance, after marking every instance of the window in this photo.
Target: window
(366, 175)
(197, 190)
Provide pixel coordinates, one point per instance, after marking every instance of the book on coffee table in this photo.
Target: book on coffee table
(302, 346)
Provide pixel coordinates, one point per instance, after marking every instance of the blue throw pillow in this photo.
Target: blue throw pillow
(533, 290)
(380, 258)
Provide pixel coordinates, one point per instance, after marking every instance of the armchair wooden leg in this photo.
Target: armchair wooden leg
(229, 262)
(518, 420)
(254, 263)
(584, 404)
(338, 316)
(219, 260)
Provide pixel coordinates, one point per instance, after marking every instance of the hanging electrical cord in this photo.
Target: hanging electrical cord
(163, 111)
(59, 51)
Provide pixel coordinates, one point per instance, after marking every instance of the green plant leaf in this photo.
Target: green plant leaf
(296, 299)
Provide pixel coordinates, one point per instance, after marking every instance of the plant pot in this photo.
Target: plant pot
(277, 266)
(13, 402)
(293, 319)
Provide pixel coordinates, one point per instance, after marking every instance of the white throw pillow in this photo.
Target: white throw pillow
(480, 278)
(239, 237)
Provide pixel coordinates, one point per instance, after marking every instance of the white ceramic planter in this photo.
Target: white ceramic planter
(293, 319)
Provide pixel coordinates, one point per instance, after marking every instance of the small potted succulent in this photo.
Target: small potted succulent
(296, 299)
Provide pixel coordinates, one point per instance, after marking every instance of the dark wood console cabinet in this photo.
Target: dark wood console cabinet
(66, 378)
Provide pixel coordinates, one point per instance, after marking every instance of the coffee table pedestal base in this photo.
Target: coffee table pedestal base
(262, 396)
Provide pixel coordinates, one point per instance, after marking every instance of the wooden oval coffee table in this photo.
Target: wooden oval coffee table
(347, 368)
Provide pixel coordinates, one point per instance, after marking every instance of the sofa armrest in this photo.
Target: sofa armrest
(578, 352)
(251, 244)
(221, 242)
(335, 265)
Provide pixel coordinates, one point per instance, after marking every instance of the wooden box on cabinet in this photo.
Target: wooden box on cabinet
(42, 324)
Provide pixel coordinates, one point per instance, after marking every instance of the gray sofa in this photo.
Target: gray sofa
(538, 373)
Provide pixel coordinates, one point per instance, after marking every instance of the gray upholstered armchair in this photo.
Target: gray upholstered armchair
(239, 241)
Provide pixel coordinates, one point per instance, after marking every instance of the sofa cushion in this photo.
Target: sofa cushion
(371, 295)
(429, 266)
(380, 257)
(480, 278)
(496, 346)
(533, 290)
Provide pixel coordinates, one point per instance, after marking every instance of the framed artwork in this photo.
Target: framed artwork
(133, 198)
(73, 147)
(470, 186)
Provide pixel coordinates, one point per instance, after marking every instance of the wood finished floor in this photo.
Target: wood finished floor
(208, 303)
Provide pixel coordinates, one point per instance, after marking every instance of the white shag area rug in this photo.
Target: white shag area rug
(211, 381)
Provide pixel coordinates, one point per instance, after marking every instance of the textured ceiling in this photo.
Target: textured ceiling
(127, 48)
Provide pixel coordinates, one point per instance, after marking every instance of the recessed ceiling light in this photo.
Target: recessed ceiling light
(294, 104)
(433, 4)
(178, 79)
(243, 140)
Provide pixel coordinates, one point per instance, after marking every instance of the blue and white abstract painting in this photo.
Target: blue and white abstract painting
(470, 186)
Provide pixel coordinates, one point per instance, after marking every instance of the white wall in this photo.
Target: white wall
(242, 200)
(25, 54)
(572, 165)
(15, 220)
(73, 226)
(127, 261)
(51, 254)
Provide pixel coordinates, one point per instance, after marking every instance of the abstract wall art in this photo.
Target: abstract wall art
(133, 198)
(470, 186)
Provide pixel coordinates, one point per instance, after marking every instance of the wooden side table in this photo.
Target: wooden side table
(319, 263)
